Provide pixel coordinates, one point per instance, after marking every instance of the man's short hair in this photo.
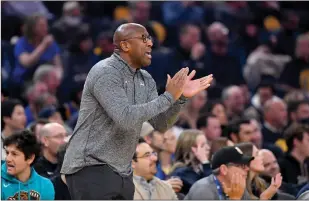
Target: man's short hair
(294, 131)
(294, 105)
(42, 72)
(203, 120)
(140, 141)
(7, 109)
(26, 142)
(228, 91)
(266, 84)
(234, 126)
(32, 125)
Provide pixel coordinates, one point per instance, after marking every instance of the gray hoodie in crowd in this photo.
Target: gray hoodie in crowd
(116, 101)
(206, 189)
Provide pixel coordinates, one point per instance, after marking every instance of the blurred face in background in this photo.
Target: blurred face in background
(302, 48)
(265, 94)
(251, 30)
(257, 138)
(303, 146)
(277, 114)
(86, 45)
(55, 138)
(219, 45)
(52, 81)
(156, 140)
(235, 102)
(301, 113)
(199, 100)
(170, 141)
(141, 12)
(41, 28)
(17, 121)
(213, 129)
(106, 44)
(219, 111)
(190, 37)
(38, 89)
(271, 166)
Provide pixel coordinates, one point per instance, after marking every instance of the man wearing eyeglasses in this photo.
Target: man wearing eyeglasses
(52, 136)
(118, 97)
(147, 186)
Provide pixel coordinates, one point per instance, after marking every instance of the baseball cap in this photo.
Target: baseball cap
(231, 154)
(147, 128)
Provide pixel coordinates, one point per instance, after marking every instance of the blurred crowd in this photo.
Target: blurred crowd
(258, 104)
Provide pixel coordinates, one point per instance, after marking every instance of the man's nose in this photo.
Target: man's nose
(150, 43)
(154, 157)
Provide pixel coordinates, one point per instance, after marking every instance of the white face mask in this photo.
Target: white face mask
(72, 21)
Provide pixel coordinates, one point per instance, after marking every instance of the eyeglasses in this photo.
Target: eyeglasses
(148, 155)
(143, 37)
(58, 136)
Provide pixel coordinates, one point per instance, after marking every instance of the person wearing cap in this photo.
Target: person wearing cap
(228, 181)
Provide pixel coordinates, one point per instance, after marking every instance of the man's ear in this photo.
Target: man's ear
(133, 164)
(223, 169)
(125, 46)
(148, 139)
(6, 119)
(31, 159)
(234, 138)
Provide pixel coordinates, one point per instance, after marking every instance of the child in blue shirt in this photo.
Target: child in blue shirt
(19, 181)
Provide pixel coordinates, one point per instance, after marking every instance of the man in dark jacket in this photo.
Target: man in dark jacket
(118, 98)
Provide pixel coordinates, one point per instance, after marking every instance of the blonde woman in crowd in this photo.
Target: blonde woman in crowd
(191, 158)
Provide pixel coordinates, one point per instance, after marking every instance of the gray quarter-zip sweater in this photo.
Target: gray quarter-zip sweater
(116, 101)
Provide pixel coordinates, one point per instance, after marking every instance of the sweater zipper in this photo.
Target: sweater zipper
(134, 102)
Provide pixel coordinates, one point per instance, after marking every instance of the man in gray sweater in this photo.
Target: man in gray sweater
(118, 98)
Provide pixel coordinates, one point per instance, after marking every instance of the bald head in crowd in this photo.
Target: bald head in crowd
(52, 135)
(275, 113)
(271, 166)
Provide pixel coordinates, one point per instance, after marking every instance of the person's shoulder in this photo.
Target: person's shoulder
(21, 42)
(46, 185)
(104, 67)
(201, 189)
(204, 181)
(145, 74)
(43, 180)
(162, 183)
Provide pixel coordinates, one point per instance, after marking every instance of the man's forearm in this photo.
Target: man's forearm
(167, 119)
